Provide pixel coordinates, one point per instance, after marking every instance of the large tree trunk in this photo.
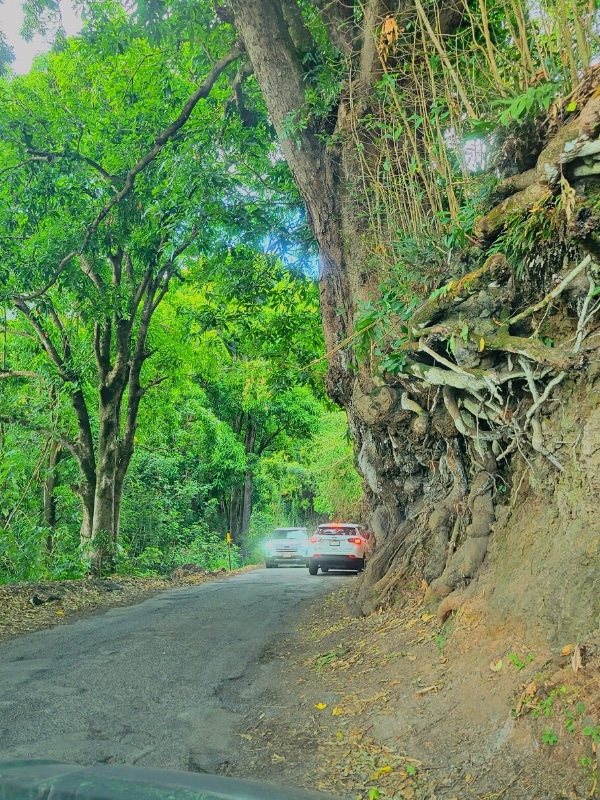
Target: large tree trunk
(329, 178)
(390, 455)
(104, 536)
(87, 493)
(434, 441)
(316, 169)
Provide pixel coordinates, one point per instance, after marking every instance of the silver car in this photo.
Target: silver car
(287, 546)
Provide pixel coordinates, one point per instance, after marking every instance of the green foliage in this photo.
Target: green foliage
(382, 328)
(519, 663)
(236, 341)
(593, 731)
(524, 231)
(544, 707)
(324, 660)
(528, 104)
(549, 737)
(337, 484)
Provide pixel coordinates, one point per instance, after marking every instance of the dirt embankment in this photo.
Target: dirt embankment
(545, 553)
(396, 706)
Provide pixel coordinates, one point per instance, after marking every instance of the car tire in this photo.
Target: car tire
(361, 568)
(269, 565)
(313, 567)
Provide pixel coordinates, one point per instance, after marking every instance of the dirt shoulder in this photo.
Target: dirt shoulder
(392, 705)
(395, 706)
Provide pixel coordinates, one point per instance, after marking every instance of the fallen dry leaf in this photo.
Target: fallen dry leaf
(527, 695)
(567, 650)
(337, 711)
(496, 666)
(320, 706)
(378, 773)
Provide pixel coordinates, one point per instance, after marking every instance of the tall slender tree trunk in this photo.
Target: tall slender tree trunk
(49, 498)
(235, 514)
(246, 511)
(86, 492)
(241, 496)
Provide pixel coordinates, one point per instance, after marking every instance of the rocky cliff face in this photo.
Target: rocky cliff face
(480, 457)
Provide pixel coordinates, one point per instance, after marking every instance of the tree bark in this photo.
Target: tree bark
(241, 496)
(316, 167)
(103, 523)
(49, 499)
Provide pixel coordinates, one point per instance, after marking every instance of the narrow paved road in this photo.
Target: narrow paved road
(164, 683)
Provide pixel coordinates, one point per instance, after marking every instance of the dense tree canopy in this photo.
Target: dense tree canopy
(123, 169)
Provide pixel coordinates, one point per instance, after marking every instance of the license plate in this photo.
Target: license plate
(287, 555)
(334, 543)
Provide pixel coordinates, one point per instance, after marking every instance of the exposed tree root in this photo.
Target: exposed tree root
(475, 389)
(486, 412)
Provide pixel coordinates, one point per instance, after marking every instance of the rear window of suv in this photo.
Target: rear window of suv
(342, 530)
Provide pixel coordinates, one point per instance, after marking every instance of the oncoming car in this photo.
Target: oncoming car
(286, 546)
(337, 545)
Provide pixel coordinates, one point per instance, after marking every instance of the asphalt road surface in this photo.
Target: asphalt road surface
(164, 683)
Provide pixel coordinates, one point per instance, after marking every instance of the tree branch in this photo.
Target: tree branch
(160, 141)
(554, 293)
(42, 155)
(51, 434)
(269, 440)
(43, 338)
(90, 273)
(338, 18)
(20, 373)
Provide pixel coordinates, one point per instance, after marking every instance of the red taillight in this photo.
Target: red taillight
(314, 539)
(355, 540)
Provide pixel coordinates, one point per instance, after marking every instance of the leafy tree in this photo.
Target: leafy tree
(97, 210)
(338, 487)
(390, 115)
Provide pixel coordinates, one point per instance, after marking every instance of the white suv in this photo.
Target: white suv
(337, 545)
(286, 546)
